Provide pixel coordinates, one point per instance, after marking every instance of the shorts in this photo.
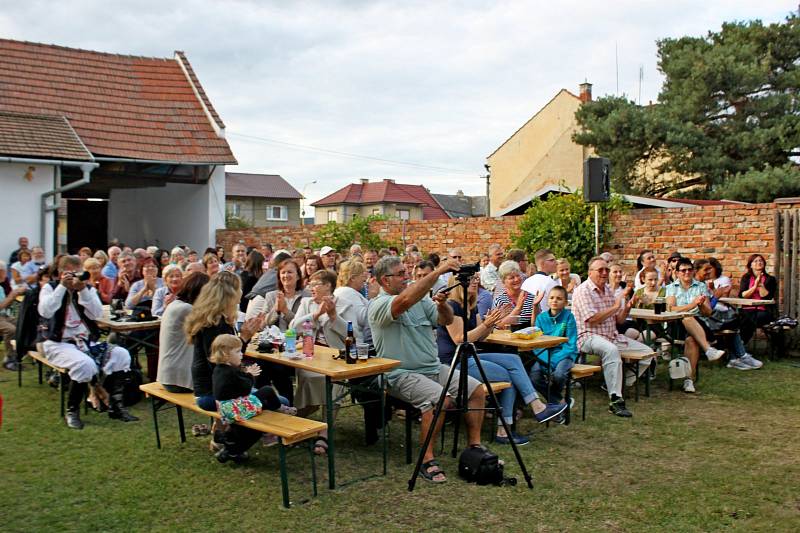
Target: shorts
(706, 330)
(423, 390)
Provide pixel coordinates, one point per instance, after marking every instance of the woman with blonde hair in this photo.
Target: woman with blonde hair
(565, 278)
(214, 313)
(101, 256)
(351, 304)
(212, 264)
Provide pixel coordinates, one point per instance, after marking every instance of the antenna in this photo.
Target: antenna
(641, 78)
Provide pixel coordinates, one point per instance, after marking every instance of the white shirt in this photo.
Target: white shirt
(722, 281)
(489, 277)
(539, 283)
(352, 307)
(50, 302)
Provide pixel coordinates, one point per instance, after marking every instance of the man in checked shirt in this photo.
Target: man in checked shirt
(597, 314)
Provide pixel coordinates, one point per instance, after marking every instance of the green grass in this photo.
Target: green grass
(723, 459)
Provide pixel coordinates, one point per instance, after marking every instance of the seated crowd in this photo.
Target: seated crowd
(407, 308)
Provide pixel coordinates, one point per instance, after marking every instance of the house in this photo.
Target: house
(262, 199)
(460, 205)
(132, 143)
(385, 197)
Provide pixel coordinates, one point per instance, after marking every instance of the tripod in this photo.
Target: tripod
(464, 351)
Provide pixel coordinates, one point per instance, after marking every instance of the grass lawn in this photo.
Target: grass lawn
(725, 458)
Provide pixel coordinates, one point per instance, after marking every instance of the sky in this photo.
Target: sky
(417, 91)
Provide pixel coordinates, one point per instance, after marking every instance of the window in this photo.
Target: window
(235, 209)
(333, 215)
(403, 214)
(277, 212)
(376, 211)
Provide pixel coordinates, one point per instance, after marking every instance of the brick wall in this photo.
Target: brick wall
(728, 232)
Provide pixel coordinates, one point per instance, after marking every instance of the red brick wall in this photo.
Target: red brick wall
(728, 232)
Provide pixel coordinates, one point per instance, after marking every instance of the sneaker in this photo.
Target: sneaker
(751, 361)
(617, 408)
(73, 420)
(285, 409)
(519, 440)
(739, 364)
(688, 386)
(561, 419)
(713, 354)
(13, 366)
(551, 411)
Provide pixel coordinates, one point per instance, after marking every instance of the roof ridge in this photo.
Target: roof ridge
(83, 50)
(77, 137)
(194, 81)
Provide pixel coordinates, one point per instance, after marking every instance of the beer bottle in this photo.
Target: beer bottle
(350, 346)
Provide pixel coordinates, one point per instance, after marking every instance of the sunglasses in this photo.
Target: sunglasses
(685, 270)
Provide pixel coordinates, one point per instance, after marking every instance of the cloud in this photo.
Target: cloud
(434, 83)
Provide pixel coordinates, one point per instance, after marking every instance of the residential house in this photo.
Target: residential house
(385, 197)
(460, 205)
(262, 199)
(133, 143)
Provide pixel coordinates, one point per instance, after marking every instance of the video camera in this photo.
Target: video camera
(466, 271)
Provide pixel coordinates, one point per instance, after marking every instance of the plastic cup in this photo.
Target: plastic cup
(362, 349)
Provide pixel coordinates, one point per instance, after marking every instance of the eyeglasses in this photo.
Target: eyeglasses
(602, 269)
(685, 270)
(455, 257)
(400, 273)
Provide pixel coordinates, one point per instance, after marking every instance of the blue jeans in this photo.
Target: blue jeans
(559, 378)
(505, 367)
(207, 402)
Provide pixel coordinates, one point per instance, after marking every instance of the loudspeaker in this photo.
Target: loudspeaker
(596, 179)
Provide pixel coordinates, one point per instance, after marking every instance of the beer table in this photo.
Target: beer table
(135, 334)
(507, 338)
(650, 316)
(745, 302)
(334, 370)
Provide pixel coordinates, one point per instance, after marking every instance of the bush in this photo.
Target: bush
(565, 224)
(342, 236)
(234, 222)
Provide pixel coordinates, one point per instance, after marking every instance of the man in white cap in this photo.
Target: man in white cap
(328, 256)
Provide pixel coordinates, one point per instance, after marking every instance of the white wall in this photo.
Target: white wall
(165, 216)
(20, 211)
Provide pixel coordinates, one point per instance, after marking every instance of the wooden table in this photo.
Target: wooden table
(630, 360)
(649, 314)
(745, 302)
(505, 337)
(334, 370)
(136, 334)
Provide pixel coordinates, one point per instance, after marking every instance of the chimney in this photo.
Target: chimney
(389, 180)
(364, 181)
(585, 92)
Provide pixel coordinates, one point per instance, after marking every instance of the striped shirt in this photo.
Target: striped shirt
(501, 298)
(588, 300)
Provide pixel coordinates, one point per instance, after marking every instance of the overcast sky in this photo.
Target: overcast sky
(436, 85)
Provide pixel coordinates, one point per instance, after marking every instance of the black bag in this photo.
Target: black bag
(480, 466)
(131, 394)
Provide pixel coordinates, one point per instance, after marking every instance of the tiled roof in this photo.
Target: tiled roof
(386, 191)
(40, 136)
(260, 185)
(120, 106)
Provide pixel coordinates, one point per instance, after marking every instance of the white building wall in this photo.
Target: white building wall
(165, 216)
(20, 214)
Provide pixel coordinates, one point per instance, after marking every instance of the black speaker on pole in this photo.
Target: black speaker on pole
(596, 179)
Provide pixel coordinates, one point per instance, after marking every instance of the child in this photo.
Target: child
(557, 322)
(236, 398)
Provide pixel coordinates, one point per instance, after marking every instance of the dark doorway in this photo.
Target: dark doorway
(87, 224)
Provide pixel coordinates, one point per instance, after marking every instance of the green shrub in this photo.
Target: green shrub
(342, 236)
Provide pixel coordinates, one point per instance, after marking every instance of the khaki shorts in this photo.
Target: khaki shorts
(423, 390)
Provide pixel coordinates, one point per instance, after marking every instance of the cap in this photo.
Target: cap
(326, 250)
(674, 255)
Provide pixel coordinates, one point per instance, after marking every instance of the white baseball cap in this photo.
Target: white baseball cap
(326, 250)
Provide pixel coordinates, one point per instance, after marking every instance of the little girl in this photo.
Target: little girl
(236, 398)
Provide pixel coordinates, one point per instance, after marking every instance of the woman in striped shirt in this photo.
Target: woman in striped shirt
(510, 292)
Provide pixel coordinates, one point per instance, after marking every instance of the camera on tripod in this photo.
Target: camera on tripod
(466, 271)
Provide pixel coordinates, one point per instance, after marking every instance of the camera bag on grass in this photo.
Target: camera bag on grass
(479, 465)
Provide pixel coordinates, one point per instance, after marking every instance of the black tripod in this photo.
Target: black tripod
(464, 351)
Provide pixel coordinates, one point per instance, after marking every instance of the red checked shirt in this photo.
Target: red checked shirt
(587, 301)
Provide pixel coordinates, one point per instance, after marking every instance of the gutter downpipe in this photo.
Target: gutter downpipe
(86, 168)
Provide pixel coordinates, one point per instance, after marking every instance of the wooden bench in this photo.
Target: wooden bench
(289, 429)
(630, 361)
(579, 373)
(42, 361)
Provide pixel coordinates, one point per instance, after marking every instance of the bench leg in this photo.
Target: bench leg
(382, 379)
(313, 468)
(39, 363)
(181, 428)
(408, 424)
(62, 392)
(583, 407)
(19, 372)
(331, 433)
(567, 397)
(284, 475)
(155, 421)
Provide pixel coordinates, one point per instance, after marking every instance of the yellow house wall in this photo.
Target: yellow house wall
(541, 153)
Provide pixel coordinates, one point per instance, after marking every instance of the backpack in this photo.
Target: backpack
(479, 465)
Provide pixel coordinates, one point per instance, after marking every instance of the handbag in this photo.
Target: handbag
(481, 466)
(680, 368)
(239, 409)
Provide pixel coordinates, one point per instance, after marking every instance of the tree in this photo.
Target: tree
(342, 236)
(728, 108)
(565, 224)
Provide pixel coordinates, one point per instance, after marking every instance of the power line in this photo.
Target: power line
(350, 155)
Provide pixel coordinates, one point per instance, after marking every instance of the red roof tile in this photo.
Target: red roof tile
(260, 185)
(386, 191)
(120, 106)
(40, 136)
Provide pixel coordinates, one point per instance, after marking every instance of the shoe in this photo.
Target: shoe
(12, 366)
(739, 364)
(617, 408)
(73, 420)
(713, 354)
(285, 409)
(688, 386)
(751, 361)
(215, 445)
(551, 411)
(223, 456)
(519, 440)
(561, 419)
